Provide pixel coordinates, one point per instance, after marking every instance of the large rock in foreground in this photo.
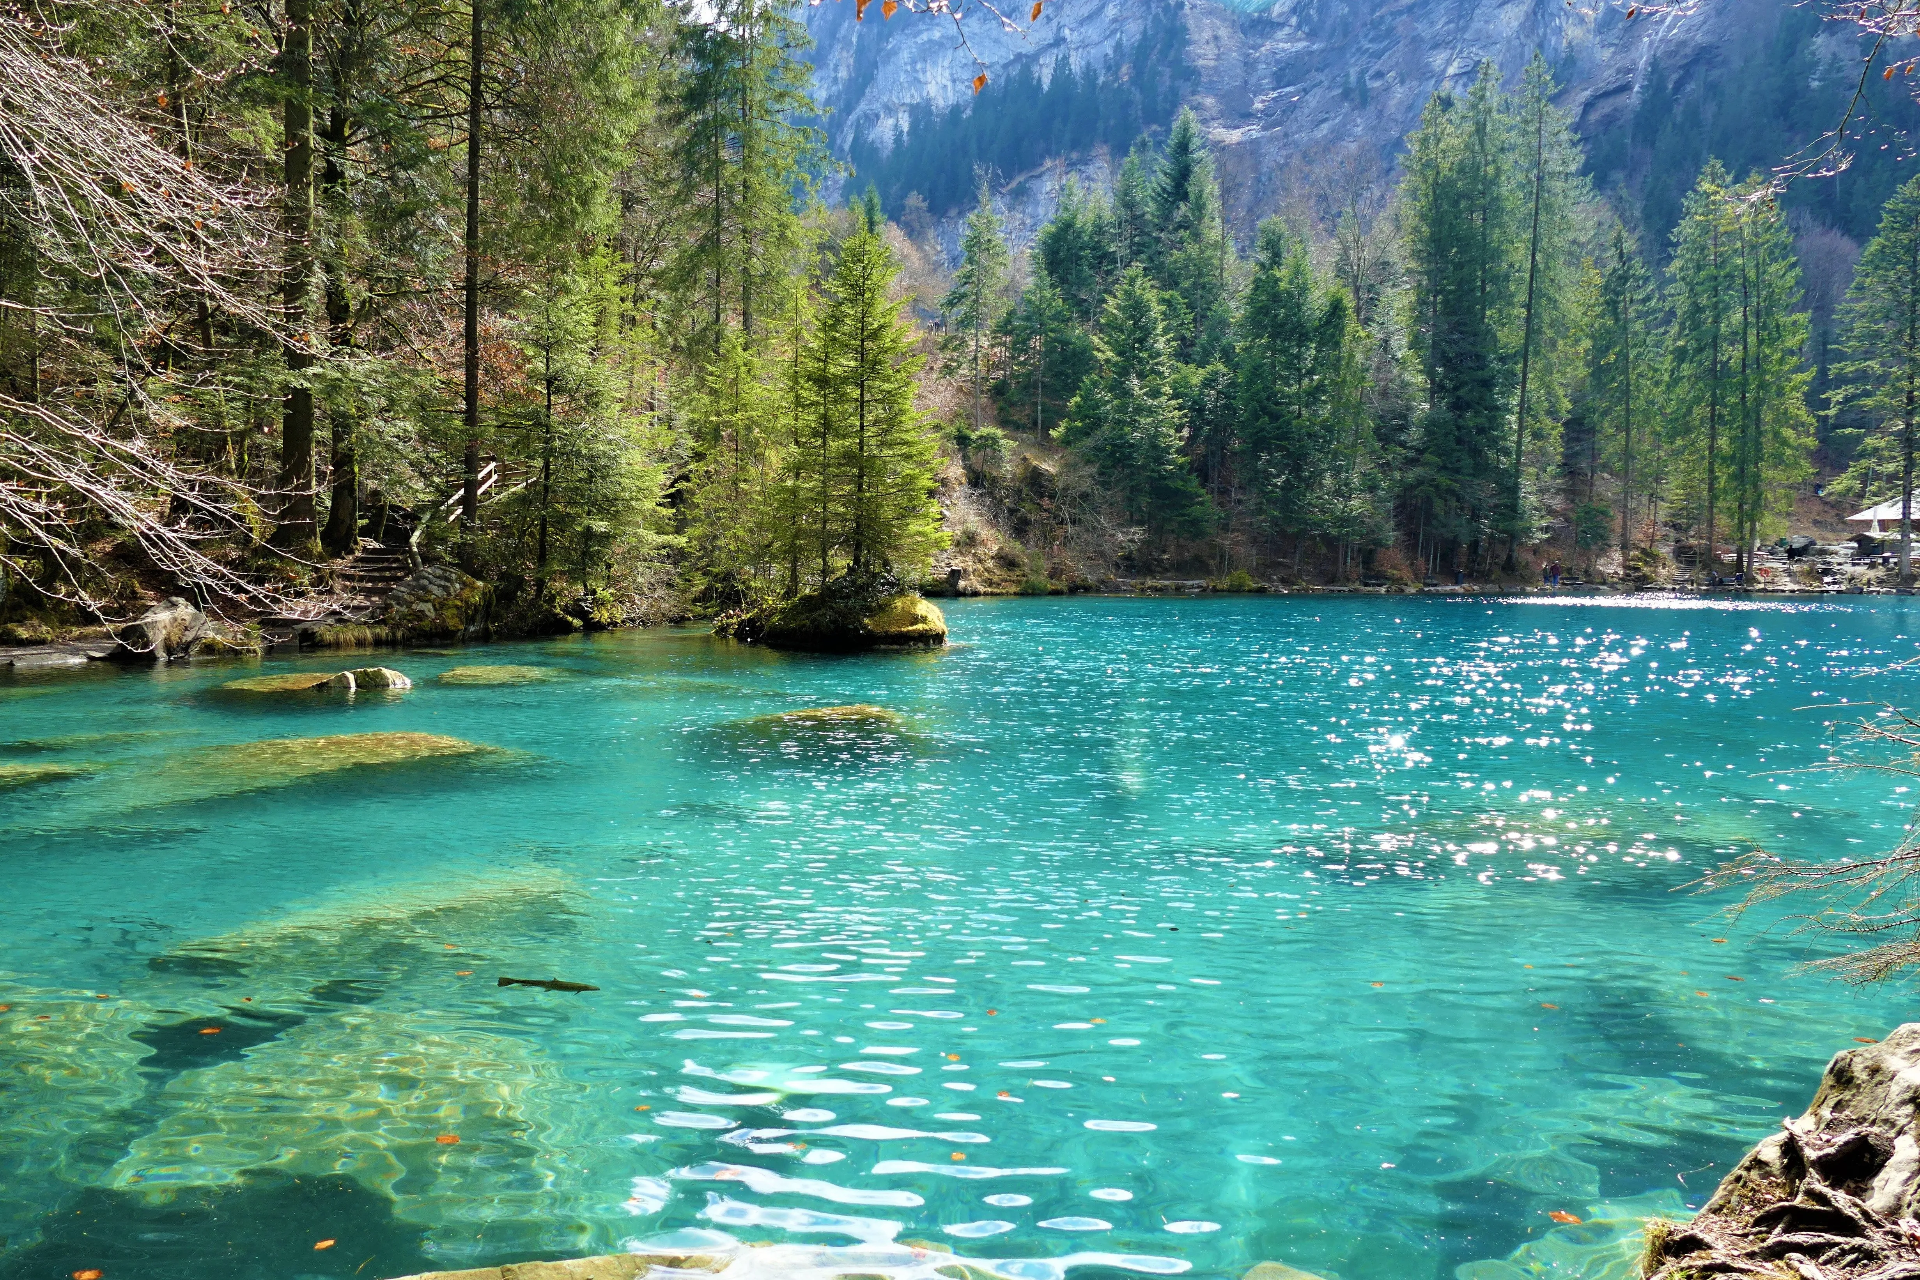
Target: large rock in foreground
(842, 618)
(1833, 1195)
(164, 632)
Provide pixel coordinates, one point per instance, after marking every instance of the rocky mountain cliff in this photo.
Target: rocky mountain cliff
(1299, 80)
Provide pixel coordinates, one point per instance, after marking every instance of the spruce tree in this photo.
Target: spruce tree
(977, 300)
(1464, 239)
(1623, 349)
(881, 449)
(1736, 388)
(1547, 167)
(1076, 249)
(1126, 418)
(1880, 328)
(1047, 353)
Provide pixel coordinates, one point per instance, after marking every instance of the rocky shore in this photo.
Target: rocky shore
(1833, 1196)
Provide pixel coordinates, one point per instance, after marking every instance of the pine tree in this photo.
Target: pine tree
(1133, 188)
(1126, 418)
(1048, 354)
(1464, 239)
(1736, 388)
(977, 300)
(1189, 252)
(1880, 327)
(1622, 351)
(741, 152)
(881, 448)
(1548, 166)
(1076, 249)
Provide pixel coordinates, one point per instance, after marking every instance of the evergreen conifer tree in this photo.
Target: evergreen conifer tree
(1622, 352)
(1126, 417)
(1880, 327)
(977, 300)
(881, 451)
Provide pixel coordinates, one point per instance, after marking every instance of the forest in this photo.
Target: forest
(573, 296)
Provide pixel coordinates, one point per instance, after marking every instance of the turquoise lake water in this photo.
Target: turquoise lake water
(1156, 937)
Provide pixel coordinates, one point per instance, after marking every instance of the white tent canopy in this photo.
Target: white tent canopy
(1888, 511)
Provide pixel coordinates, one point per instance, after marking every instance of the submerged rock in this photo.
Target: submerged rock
(380, 678)
(496, 675)
(164, 632)
(858, 715)
(25, 775)
(294, 682)
(279, 762)
(1278, 1271)
(1836, 1189)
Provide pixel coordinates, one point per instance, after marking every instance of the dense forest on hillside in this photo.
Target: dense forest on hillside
(551, 294)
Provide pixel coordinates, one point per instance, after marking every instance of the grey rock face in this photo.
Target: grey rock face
(1278, 83)
(164, 632)
(1837, 1188)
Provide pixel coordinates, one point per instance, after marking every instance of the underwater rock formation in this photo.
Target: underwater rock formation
(496, 675)
(293, 682)
(25, 775)
(1833, 1195)
(379, 678)
(853, 716)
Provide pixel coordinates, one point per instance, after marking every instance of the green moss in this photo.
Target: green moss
(25, 775)
(907, 619)
(354, 635)
(860, 715)
(295, 682)
(249, 766)
(497, 675)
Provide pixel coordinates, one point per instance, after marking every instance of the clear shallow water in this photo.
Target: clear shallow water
(1158, 937)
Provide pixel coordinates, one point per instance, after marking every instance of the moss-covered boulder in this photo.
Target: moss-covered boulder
(294, 682)
(497, 675)
(858, 715)
(379, 678)
(848, 615)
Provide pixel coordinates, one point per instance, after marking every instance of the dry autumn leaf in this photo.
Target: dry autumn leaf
(1633, 11)
(1545, 1005)
(1376, 984)
(463, 973)
(889, 7)
(980, 82)
(209, 1031)
(1887, 74)
(322, 1244)
(448, 1140)
(1096, 1020)
(1561, 1215)
(1866, 1040)
(959, 1155)
(91, 1273)
(1035, 15)
(860, 10)
(991, 1012)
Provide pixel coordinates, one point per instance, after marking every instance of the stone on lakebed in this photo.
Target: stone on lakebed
(496, 675)
(858, 715)
(294, 682)
(25, 775)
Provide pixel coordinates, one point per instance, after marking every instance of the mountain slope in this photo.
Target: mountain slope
(1749, 80)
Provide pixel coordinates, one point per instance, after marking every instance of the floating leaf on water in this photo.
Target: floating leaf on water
(209, 1031)
(1544, 1005)
(448, 1139)
(1703, 995)
(323, 1244)
(1376, 984)
(1866, 1040)
(1561, 1215)
(91, 1273)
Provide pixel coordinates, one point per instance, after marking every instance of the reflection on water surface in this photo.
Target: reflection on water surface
(1134, 937)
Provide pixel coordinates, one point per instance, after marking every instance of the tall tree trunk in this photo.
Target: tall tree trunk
(295, 529)
(470, 323)
(1526, 339)
(342, 534)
